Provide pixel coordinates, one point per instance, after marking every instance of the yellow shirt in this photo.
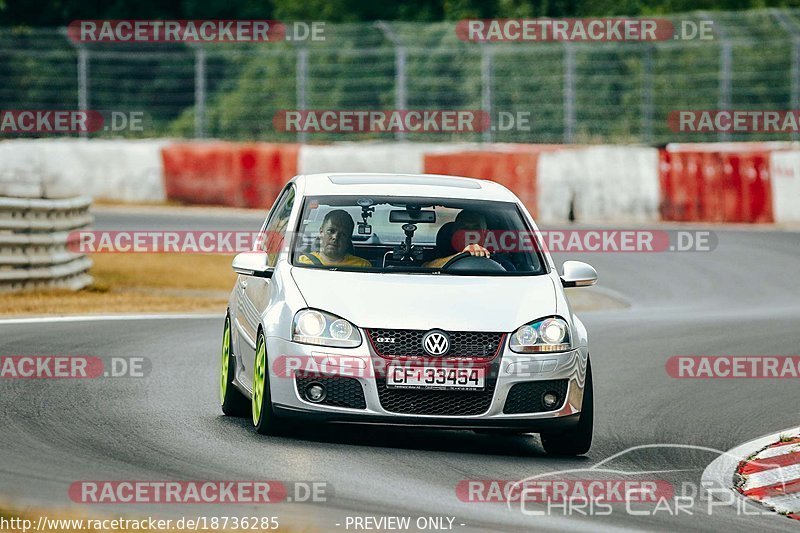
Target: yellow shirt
(438, 263)
(347, 261)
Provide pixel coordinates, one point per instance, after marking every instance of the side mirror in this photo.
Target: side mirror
(578, 274)
(252, 264)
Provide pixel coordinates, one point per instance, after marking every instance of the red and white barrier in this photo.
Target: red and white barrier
(226, 173)
(772, 477)
(704, 182)
(400, 158)
(514, 166)
(717, 182)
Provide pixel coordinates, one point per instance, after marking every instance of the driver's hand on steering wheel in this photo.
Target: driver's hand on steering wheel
(476, 250)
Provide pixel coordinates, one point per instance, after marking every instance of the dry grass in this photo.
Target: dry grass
(139, 203)
(134, 283)
(164, 271)
(162, 283)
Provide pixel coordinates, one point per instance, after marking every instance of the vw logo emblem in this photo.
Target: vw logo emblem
(436, 343)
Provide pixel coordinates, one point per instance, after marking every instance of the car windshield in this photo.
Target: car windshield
(415, 235)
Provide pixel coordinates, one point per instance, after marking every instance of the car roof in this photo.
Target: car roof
(421, 185)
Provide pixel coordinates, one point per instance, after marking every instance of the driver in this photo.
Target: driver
(466, 220)
(335, 243)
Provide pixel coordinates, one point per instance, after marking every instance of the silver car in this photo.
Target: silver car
(407, 299)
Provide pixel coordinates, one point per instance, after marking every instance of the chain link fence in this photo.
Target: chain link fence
(573, 92)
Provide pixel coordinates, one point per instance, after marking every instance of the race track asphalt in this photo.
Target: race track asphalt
(742, 298)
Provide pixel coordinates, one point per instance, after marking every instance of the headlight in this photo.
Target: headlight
(324, 329)
(545, 335)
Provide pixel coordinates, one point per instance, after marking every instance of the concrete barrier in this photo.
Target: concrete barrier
(402, 158)
(122, 170)
(785, 171)
(34, 243)
(597, 183)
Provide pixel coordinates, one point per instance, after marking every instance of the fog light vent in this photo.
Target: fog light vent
(315, 392)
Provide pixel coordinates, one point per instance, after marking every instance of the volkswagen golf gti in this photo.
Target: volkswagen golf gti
(407, 299)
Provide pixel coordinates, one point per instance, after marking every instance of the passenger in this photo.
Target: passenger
(465, 221)
(335, 243)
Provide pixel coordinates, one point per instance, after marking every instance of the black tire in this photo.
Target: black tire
(577, 440)
(233, 402)
(267, 423)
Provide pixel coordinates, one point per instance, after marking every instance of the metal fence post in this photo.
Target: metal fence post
(569, 93)
(400, 83)
(301, 76)
(794, 30)
(725, 60)
(487, 75)
(647, 94)
(795, 73)
(400, 98)
(83, 82)
(199, 93)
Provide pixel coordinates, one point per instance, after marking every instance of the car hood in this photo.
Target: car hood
(413, 301)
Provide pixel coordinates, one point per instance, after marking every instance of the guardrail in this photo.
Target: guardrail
(34, 236)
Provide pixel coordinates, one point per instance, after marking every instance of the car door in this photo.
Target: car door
(255, 291)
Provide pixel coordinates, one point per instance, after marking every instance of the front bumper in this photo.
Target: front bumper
(358, 364)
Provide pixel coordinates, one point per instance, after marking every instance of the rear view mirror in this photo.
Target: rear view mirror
(252, 264)
(578, 274)
(415, 216)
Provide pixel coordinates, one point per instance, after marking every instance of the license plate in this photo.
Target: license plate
(435, 378)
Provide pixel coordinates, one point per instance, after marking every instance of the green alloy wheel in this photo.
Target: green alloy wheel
(232, 401)
(264, 418)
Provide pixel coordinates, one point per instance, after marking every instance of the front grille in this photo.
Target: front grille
(527, 397)
(438, 402)
(408, 343)
(341, 391)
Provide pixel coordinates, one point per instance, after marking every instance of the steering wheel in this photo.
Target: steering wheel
(465, 261)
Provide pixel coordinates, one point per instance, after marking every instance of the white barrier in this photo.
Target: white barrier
(122, 170)
(34, 251)
(615, 183)
(402, 158)
(785, 175)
